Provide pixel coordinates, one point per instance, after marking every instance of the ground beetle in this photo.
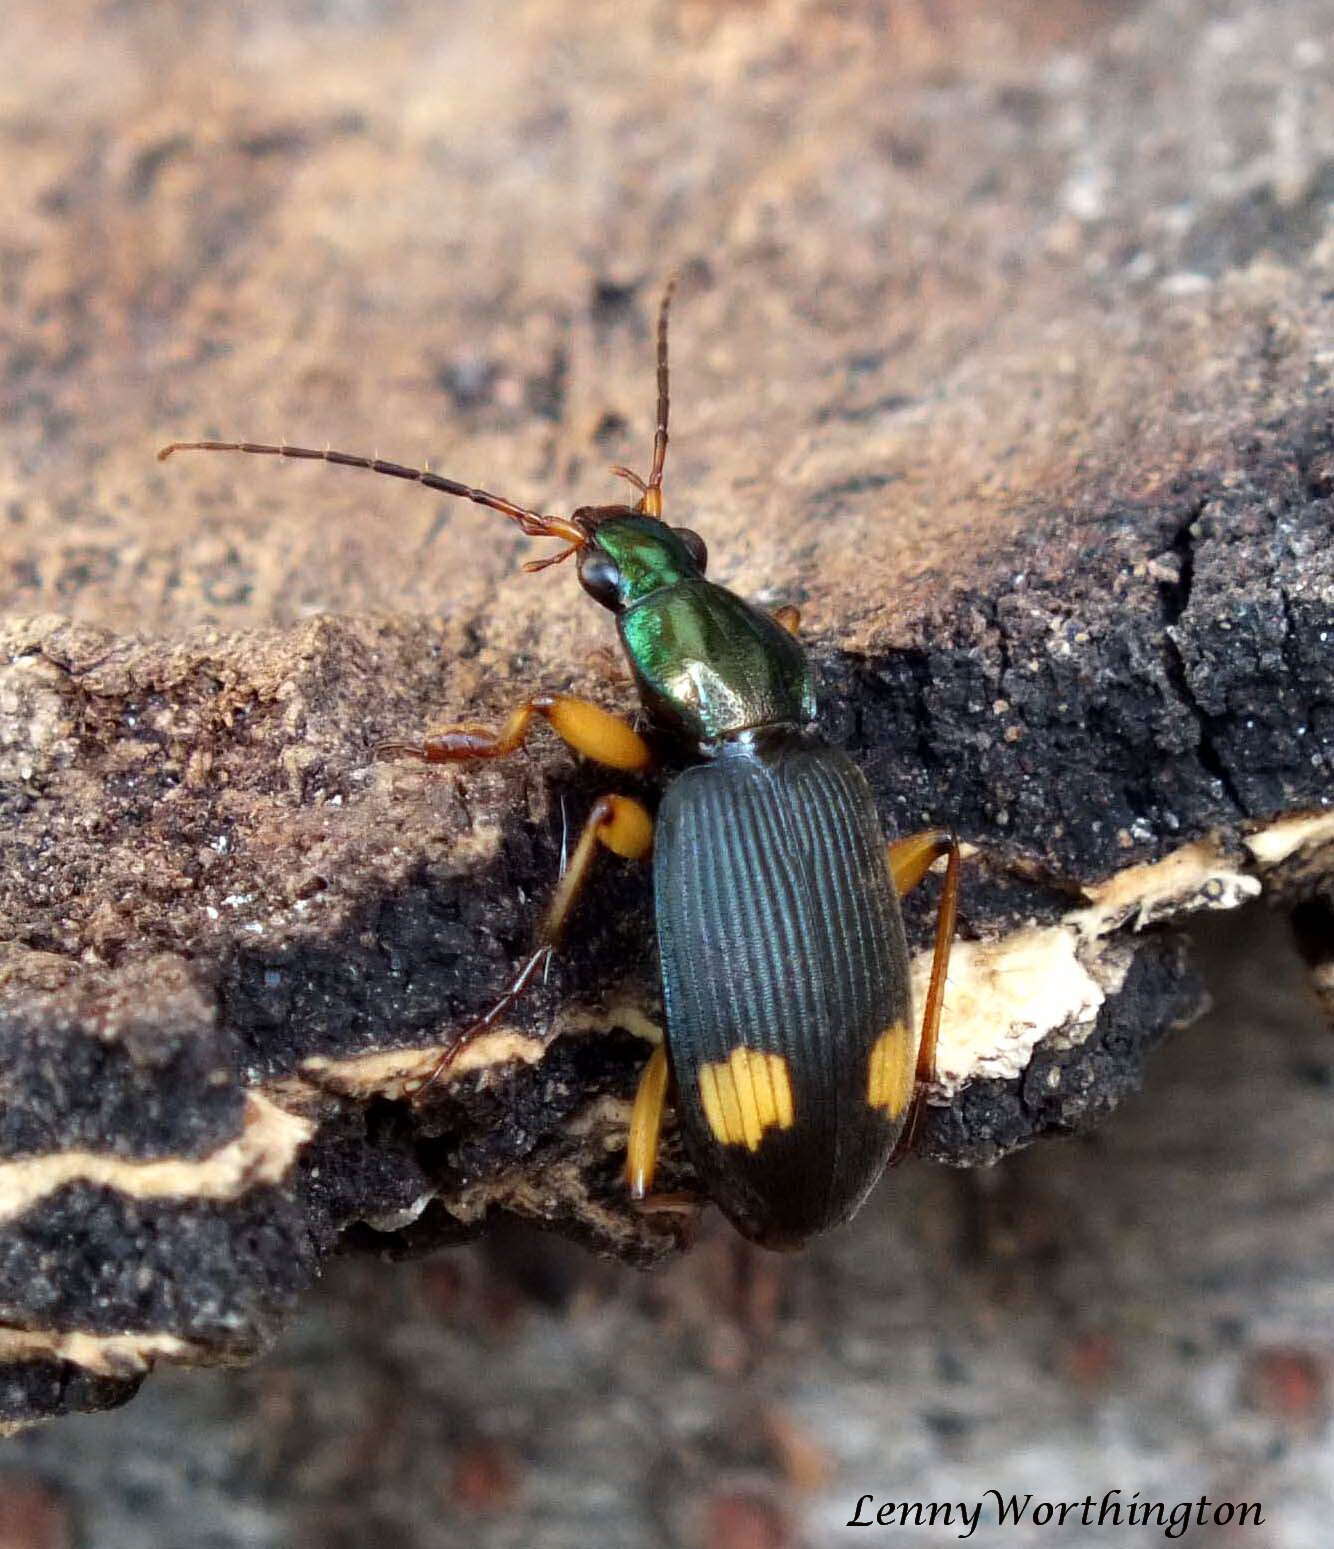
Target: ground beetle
(790, 1046)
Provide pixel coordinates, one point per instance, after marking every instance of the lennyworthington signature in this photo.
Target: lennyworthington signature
(1111, 1509)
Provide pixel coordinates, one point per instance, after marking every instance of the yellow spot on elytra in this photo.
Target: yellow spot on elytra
(891, 1070)
(745, 1095)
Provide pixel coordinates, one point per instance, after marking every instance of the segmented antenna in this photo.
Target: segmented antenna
(650, 493)
(534, 523)
(653, 493)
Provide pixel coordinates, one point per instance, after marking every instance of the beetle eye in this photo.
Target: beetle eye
(600, 577)
(695, 544)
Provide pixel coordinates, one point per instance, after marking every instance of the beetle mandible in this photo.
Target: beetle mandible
(790, 1044)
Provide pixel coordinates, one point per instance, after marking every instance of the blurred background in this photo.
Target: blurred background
(975, 251)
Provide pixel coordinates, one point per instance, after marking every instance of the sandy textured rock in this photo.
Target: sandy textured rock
(1000, 350)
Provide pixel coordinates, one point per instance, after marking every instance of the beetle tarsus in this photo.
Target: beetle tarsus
(474, 1030)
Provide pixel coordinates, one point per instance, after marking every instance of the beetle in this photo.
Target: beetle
(790, 1044)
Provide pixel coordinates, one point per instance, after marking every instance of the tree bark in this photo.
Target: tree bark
(1046, 465)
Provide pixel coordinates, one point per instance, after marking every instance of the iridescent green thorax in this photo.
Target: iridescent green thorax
(707, 663)
(648, 555)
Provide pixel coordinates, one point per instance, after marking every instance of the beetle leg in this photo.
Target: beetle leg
(608, 663)
(940, 964)
(584, 726)
(919, 862)
(641, 1146)
(789, 617)
(624, 827)
(912, 857)
(536, 959)
(641, 1151)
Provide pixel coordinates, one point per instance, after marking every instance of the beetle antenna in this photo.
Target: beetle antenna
(533, 523)
(652, 501)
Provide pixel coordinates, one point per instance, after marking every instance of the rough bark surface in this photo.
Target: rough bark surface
(1003, 364)
(1145, 1307)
